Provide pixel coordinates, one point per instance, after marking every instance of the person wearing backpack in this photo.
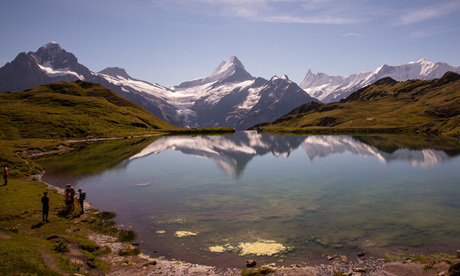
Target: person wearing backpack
(81, 199)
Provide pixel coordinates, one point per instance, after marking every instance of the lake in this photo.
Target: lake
(221, 200)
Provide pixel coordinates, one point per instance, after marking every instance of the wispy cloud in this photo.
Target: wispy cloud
(350, 34)
(283, 11)
(431, 32)
(440, 9)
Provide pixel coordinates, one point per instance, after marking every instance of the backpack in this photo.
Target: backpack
(83, 196)
(67, 195)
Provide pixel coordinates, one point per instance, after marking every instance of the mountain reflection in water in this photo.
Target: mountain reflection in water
(232, 153)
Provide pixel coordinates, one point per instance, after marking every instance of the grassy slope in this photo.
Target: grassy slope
(415, 105)
(73, 110)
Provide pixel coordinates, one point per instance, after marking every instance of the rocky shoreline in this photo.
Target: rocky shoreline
(143, 265)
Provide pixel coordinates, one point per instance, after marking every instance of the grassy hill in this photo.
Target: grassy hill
(385, 106)
(73, 110)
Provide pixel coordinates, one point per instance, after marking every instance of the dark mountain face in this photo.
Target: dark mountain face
(278, 97)
(22, 73)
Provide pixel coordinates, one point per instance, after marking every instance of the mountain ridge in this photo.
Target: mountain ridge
(431, 106)
(228, 97)
(334, 88)
(225, 98)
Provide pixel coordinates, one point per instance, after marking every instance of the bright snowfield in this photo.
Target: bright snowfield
(56, 72)
(333, 88)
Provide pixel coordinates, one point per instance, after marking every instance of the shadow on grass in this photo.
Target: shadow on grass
(38, 225)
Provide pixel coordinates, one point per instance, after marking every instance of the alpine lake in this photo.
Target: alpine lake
(221, 200)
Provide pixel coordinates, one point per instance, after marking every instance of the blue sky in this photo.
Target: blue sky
(171, 41)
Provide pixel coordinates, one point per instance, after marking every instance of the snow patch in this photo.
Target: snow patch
(59, 72)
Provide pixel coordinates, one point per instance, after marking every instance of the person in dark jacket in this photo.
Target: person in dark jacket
(46, 206)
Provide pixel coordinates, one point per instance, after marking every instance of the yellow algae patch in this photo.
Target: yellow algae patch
(260, 248)
(217, 249)
(182, 234)
(220, 248)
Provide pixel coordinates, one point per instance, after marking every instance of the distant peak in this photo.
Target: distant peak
(115, 72)
(51, 45)
(233, 61)
(284, 77)
(275, 77)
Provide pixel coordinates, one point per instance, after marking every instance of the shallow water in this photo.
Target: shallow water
(298, 196)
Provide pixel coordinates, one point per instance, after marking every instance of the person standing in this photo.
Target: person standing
(81, 199)
(68, 197)
(72, 198)
(5, 175)
(46, 206)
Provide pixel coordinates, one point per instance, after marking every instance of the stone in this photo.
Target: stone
(251, 263)
(359, 269)
(361, 254)
(454, 269)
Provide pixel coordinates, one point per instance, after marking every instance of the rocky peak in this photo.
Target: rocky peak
(115, 72)
(52, 55)
(231, 70)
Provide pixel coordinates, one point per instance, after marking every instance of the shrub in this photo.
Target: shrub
(61, 246)
(126, 235)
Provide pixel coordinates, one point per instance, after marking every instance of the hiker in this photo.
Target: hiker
(69, 194)
(46, 206)
(81, 199)
(5, 175)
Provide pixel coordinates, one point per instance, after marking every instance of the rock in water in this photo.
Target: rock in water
(251, 263)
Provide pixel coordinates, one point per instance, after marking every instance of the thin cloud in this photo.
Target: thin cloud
(350, 34)
(281, 11)
(430, 32)
(429, 13)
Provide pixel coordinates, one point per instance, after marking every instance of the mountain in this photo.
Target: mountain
(228, 97)
(334, 88)
(387, 105)
(50, 63)
(73, 110)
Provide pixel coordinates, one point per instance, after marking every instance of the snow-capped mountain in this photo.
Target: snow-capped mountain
(334, 88)
(51, 63)
(228, 97)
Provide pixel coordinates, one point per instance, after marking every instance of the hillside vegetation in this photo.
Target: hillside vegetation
(385, 106)
(73, 110)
